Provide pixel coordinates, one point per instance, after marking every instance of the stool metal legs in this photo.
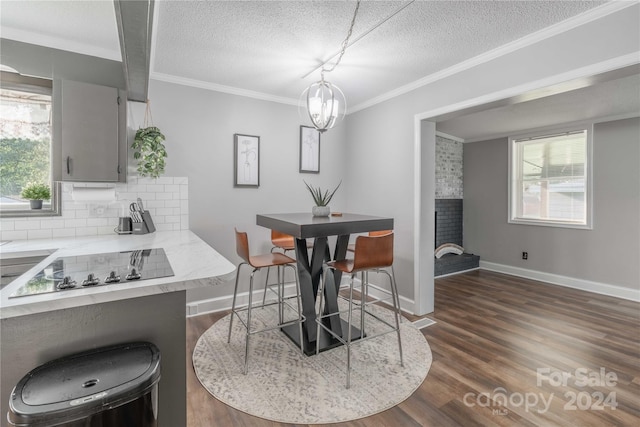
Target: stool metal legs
(363, 311)
(281, 302)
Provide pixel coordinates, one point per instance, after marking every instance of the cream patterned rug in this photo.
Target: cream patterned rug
(284, 386)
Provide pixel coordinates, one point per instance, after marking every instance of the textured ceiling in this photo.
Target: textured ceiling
(266, 48)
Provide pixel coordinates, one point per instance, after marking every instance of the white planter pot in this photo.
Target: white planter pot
(320, 210)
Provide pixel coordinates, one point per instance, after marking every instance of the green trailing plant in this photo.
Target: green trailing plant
(321, 198)
(149, 151)
(36, 192)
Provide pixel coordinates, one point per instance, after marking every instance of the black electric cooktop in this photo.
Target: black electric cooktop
(86, 271)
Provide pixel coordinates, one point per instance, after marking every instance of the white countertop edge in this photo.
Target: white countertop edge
(194, 263)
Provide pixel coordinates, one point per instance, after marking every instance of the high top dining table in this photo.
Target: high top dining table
(303, 226)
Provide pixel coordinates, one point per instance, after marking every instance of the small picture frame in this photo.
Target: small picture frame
(246, 170)
(309, 150)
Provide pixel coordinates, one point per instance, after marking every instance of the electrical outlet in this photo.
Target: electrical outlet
(97, 210)
(525, 255)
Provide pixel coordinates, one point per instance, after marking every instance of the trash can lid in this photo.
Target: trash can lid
(77, 386)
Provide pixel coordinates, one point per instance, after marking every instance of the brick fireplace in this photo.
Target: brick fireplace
(448, 229)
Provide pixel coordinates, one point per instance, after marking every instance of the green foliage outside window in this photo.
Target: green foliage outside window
(22, 161)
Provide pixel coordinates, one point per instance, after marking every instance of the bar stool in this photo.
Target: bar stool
(351, 248)
(284, 242)
(371, 253)
(258, 262)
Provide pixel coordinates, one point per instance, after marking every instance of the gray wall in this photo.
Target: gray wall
(199, 127)
(381, 139)
(609, 253)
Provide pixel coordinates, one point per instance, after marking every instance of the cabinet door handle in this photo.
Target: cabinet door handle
(68, 165)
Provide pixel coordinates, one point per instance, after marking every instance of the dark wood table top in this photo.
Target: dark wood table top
(305, 225)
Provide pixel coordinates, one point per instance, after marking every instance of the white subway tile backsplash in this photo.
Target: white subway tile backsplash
(40, 234)
(146, 196)
(155, 188)
(86, 231)
(129, 196)
(64, 232)
(154, 204)
(181, 180)
(166, 227)
(84, 213)
(164, 180)
(97, 222)
(75, 223)
(52, 223)
(165, 198)
(172, 218)
(164, 211)
(106, 230)
(13, 235)
(31, 224)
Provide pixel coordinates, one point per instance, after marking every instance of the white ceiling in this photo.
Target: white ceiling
(266, 48)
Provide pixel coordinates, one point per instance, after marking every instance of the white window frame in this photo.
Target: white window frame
(513, 196)
(54, 206)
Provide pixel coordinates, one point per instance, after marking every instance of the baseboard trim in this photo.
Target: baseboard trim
(456, 272)
(406, 304)
(222, 303)
(569, 282)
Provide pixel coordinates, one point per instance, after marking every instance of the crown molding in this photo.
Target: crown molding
(59, 43)
(528, 40)
(222, 88)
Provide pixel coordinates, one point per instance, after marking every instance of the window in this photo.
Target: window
(550, 179)
(25, 143)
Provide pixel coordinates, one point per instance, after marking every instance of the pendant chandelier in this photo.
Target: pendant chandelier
(325, 102)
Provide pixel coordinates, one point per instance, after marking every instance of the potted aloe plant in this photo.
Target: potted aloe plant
(36, 193)
(321, 199)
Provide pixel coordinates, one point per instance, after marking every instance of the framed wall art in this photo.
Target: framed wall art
(309, 150)
(246, 160)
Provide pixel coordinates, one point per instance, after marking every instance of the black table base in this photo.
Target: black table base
(327, 341)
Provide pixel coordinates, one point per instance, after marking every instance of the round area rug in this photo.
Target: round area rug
(285, 386)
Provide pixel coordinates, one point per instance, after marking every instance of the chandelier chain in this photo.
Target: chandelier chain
(345, 43)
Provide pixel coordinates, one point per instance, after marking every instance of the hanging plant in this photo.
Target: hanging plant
(149, 149)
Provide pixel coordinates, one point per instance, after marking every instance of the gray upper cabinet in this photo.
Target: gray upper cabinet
(93, 124)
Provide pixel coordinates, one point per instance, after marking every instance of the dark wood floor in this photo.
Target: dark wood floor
(493, 333)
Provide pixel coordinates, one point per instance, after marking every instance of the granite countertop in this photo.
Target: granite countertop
(194, 264)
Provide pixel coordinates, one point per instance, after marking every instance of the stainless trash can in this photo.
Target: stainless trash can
(110, 386)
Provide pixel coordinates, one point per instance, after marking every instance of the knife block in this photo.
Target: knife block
(146, 226)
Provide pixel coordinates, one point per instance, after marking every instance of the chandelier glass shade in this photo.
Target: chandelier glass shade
(325, 104)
